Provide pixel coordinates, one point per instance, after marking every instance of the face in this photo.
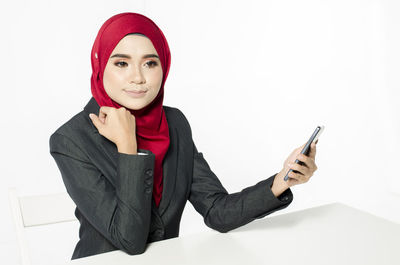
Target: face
(133, 73)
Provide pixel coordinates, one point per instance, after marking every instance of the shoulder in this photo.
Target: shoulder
(77, 131)
(79, 123)
(176, 118)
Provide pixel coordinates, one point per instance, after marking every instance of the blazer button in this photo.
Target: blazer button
(148, 190)
(149, 172)
(148, 181)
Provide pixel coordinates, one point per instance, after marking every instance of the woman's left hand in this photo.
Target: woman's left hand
(304, 171)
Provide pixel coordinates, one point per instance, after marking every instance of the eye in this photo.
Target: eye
(151, 63)
(121, 64)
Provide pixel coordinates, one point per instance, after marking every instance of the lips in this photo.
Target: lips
(134, 94)
(135, 91)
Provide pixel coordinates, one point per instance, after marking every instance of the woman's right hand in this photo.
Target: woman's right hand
(117, 125)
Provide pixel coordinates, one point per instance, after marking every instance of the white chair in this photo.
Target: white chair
(41, 211)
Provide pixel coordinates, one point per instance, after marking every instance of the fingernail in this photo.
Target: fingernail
(90, 115)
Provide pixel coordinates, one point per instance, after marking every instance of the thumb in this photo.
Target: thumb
(96, 121)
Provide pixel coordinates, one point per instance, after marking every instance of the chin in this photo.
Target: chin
(134, 106)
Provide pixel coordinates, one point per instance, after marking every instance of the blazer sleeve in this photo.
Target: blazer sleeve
(121, 213)
(222, 211)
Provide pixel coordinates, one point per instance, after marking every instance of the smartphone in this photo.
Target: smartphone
(306, 149)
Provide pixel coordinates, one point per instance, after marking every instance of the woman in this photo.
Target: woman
(130, 164)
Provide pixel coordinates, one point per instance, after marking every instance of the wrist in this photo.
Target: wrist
(127, 148)
(277, 191)
(278, 185)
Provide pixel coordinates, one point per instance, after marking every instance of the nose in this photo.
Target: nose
(136, 75)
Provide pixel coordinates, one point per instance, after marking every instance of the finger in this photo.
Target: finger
(295, 152)
(299, 177)
(291, 182)
(308, 161)
(96, 121)
(313, 150)
(102, 116)
(104, 111)
(302, 169)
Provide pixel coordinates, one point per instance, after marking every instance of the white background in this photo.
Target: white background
(254, 78)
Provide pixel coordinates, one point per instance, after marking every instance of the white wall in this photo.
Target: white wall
(254, 78)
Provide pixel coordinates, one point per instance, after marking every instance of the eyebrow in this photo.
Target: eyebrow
(120, 55)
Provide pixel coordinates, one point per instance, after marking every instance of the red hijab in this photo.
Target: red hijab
(151, 124)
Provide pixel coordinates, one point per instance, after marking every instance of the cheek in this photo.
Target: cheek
(156, 77)
(112, 79)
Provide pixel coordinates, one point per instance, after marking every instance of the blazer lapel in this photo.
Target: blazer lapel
(170, 165)
(170, 162)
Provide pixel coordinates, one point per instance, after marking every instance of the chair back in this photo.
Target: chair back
(45, 214)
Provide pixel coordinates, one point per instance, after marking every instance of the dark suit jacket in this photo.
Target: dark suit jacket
(113, 191)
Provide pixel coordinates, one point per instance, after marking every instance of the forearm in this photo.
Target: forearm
(117, 205)
(234, 210)
(223, 211)
(134, 185)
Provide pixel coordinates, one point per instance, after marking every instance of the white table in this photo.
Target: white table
(328, 234)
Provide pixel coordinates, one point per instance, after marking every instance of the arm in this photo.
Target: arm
(223, 211)
(120, 212)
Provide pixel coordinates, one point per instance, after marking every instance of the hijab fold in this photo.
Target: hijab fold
(152, 132)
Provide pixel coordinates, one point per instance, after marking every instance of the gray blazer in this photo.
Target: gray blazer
(113, 191)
